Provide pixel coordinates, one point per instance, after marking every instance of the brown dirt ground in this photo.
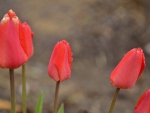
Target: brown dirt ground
(100, 32)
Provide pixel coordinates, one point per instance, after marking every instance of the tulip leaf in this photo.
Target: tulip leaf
(39, 104)
(61, 109)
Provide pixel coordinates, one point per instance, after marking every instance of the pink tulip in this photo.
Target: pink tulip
(129, 69)
(59, 67)
(143, 105)
(14, 50)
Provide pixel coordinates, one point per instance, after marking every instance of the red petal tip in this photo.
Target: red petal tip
(11, 14)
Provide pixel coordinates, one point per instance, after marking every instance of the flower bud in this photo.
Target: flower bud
(129, 69)
(59, 67)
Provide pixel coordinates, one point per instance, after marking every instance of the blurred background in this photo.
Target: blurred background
(100, 32)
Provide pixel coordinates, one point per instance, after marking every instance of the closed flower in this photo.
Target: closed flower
(143, 105)
(59, 67)
(129, 69)
(13, 53)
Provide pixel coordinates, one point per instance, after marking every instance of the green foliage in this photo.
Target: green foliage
(39, 104)
(61, 109)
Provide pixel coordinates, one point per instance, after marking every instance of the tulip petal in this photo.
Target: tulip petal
(143, 64)
(70, 59)
(11, 53)
(52, 70)
(26, 39)
(143, 105)
(61, 62)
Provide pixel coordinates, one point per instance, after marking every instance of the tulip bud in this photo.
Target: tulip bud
(59, 67)
(129, 69)
(143, 105)
(12, 54)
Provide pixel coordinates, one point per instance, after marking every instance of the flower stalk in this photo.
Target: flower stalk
(23, 89)
(114, 100)
(56, 97)
(12, 90)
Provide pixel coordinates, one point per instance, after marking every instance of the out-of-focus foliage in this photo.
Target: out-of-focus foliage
(61, 108)
(39, 104)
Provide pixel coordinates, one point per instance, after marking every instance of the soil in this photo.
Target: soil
(100, 32)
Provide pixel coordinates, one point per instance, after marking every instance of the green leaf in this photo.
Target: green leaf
(61, 109)
(39, 104)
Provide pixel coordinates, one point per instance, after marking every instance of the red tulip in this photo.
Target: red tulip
(129, 69)
(59, 67)
(143, 105)
(12, 51)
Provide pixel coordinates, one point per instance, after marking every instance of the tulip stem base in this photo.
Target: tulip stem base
(23, 89)
(12, 90)
(114, 100)
(56, 97)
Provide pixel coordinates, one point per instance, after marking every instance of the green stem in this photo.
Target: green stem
(23, 89)
(114, 100)
(12, 90)
(56, 97)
